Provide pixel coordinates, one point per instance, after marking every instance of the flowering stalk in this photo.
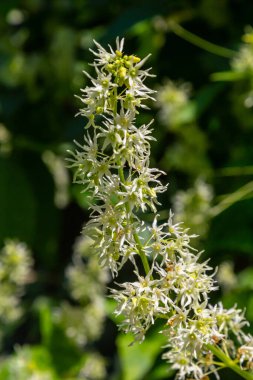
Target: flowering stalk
(229, 363)
(113, 164)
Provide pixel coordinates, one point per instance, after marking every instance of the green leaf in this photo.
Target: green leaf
(45, 316)
(232, 198)
(160, 372)
(65, 355)
(55, 340)
(138, 359)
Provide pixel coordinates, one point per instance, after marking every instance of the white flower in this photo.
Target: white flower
(229, 320)
(187, 280)
(245, 353)
(103, 56)
(140, 302)
(138, 192)
(113, 164)
(90, 164)
(183, 363)
(111, 229)
(97, 98)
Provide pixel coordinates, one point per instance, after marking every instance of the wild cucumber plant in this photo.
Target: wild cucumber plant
(113, 164)
(15, 271)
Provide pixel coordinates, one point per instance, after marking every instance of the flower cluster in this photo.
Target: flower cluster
(242, 62)
(113, 164)
(192, 207)
(176, 285)
(15, 270)
(172, 99)
(189, 338)
(79, 321)
(242, 65)
(57, 167)
(226, 276)
(31, 363)
(114, 144)
(115, 70)
(177, 112)
(83, 322)
(35, 363)
(93, 368)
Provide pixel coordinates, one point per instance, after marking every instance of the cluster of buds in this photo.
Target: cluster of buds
(113, 164)
(83, 321)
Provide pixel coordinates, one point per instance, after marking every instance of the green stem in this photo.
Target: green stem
(235, 171)
(200, 42)
(141, 252)
(115, 93)
(231, 199)
(143, 257)
(229, 363)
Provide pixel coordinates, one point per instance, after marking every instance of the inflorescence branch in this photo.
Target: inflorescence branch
(113, 165)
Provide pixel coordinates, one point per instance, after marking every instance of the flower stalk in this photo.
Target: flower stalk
(229, 363)
(113, 164)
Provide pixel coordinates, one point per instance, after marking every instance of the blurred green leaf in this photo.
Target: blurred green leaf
(55, 340)
(160, 372)
(65, 355)
(249, 308)
(137, 359)
(245, 278)
(243, 192)
(227, 76)
(45, 317)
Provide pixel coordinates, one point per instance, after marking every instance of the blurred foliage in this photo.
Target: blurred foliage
(204, 128)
